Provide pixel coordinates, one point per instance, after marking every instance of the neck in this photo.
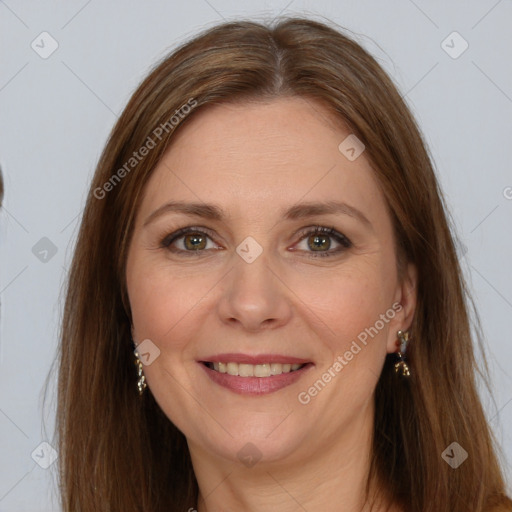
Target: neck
(331, 478)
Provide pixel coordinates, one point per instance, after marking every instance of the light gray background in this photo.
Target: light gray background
(57, 112)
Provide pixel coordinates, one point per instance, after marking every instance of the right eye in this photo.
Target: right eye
(191, 240)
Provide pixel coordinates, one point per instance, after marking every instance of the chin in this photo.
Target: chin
(261, 443)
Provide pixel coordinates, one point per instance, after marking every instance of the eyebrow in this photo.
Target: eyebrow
(298, 211)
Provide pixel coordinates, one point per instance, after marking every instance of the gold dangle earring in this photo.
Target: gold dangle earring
(401, 366)
(141, 379)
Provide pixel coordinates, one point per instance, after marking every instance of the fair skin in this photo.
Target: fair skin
(254, 161)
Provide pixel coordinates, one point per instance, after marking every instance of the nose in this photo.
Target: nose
(254, 297)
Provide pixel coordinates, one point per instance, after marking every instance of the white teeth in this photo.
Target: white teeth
(246, 370)
(262, 370)
(233, 368)
(276, 368)
(255, 370)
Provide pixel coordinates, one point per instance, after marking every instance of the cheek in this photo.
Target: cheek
(163, 300)
(354, 306)
(349, 300)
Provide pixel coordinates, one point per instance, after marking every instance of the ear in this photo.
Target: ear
(404, 305)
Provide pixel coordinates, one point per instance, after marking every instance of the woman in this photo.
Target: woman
(266, 233)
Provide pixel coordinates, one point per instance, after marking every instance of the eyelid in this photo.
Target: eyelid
(326, 230)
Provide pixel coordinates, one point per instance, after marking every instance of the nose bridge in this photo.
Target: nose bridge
(253, 296)
(252, 280)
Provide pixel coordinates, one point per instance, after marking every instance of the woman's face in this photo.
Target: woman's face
(225, 267)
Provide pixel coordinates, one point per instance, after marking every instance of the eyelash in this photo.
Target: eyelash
(313, 230)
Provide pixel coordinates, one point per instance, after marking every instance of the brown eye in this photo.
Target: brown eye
(194, 241)
(319, 242)
(189, 241)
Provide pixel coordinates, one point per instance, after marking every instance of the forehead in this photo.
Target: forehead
(252, 157)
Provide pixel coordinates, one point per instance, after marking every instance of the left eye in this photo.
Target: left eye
(319, 241)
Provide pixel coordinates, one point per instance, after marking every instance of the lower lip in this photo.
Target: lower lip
(255, 385)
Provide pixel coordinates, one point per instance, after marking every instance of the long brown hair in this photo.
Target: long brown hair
(118, 451)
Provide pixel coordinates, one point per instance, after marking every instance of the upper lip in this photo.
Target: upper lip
(256, 359)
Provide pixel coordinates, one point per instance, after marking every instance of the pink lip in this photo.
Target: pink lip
(259, 359)
(255, 385)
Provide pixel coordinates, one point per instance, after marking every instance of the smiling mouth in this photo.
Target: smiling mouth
(253, 370)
